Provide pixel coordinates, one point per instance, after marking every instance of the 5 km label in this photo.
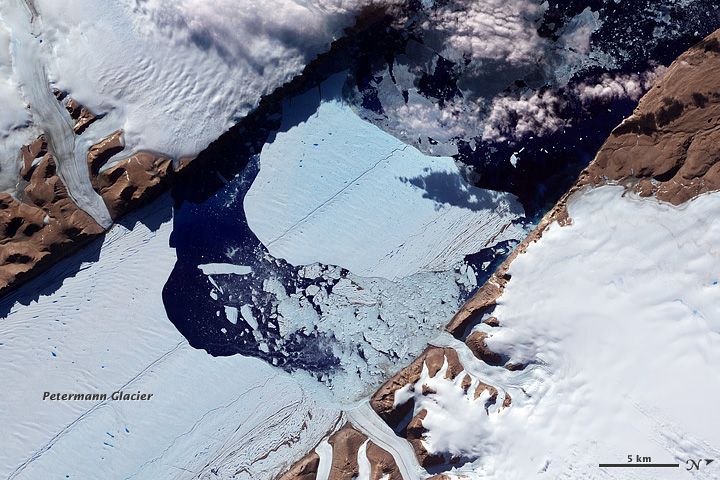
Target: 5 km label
(642, 461)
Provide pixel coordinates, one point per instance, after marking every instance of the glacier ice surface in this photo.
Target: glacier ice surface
(335, 189)
(105, 329)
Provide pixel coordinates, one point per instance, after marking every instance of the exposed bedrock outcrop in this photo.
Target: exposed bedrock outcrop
(383, 401)
(477, 342)
(42, 224)
(99, 154)
(81, 115)
(131, 182)
(304, 469)
(136, 180)
(480, 306)
(670, 146)
(346, 445)
(401, 415)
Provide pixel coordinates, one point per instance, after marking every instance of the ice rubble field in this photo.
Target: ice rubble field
(620, 315)
(619, 312)
(378, 207)
(88, 336)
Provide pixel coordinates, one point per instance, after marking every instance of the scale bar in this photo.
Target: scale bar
(635, 465)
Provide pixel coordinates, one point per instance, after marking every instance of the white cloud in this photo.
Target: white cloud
(523, 116)
(491, 30)
(262, 33)
(612, 87)
(423, 117)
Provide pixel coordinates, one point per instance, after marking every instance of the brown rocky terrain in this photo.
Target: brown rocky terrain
(142, 176)
(345, 445)
(383, 402)
(42, 224)
(484, 300)
(130, 183)
(304, 469)
(81, 115)
(670, 146)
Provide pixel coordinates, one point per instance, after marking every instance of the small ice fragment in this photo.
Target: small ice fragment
(247, 315)
(232, 314)
(224, 269)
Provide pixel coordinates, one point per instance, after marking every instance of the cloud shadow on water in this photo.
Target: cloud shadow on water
(448, 188)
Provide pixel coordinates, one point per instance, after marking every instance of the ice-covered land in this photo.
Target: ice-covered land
(15, 119)
(618, 317)
(30, 67)
(175, 75)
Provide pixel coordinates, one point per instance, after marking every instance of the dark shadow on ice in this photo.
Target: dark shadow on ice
(151, 215)
(209, 219)
(227, 156)
(209, 223)
(49, 281)
(448, 188)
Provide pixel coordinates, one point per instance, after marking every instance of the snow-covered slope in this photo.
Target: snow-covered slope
(342, 256)
(48, 115)
(175, 75)
(105, 330)
(618, 319)
(15, 119)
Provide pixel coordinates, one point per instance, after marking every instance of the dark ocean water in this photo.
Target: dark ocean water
(209, 219)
